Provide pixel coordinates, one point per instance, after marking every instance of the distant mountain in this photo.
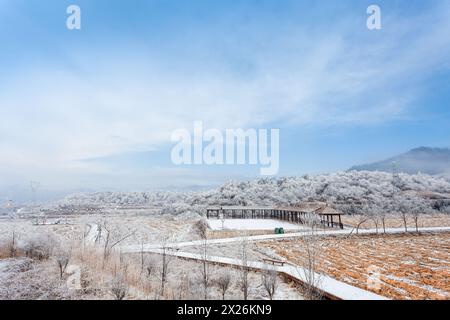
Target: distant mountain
(433, 161)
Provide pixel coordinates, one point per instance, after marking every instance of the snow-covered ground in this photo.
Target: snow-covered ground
(331, 286)
(335, 232)
(3, 265)
(150, 232)
(252, 224)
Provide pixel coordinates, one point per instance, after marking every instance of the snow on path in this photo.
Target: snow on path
(253, 224)
(333, 287)
(276, 237)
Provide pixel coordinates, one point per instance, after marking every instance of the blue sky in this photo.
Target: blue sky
(95, 108)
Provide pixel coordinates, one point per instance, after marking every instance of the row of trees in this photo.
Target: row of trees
(160, 268)
(372, 188)
(269, 278)
(405, 208)
(205, 277)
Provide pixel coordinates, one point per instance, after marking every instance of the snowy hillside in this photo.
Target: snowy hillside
(341, 188)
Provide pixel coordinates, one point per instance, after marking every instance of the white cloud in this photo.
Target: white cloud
(53, 116)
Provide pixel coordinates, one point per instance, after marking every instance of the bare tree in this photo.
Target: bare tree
(386, 207)
(164, 269)
(151, 272)
(361, 219)
(377, 215)
(269, 280)
(402, 209)
(205, 270)
(112, 237)
(416, 216)
(150, 266)
(417, 209)
(310, 254)
(224, 282)
(404, 217)
(382, 217)
(62, 260)
(183, 288)
(84, 235)
(143, 240)
(201, 228)
(376, 221)
(244, 272)
(123, 263)
(13, 245)
(40, 247)
(119, 288)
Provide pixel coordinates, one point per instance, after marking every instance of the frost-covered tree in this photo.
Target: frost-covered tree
(164, 269)
(119, 287)
(244, 268)
(223, 282)
(111, 236)
(205, 270)
(348, 191)
(416, 208)
(310, 252)
(269, 281)
(62, 260)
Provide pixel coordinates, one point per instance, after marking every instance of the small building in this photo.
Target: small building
(330, 216)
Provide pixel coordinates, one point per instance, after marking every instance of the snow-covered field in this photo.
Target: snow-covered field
(148, 229)
(426, 251)
(151, 229)
(410, 266)
(185, 274)
(252, 224)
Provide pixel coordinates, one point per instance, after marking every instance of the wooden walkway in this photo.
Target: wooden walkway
(328, 216)
(328, 287)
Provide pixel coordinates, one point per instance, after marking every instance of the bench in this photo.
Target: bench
(274, 262)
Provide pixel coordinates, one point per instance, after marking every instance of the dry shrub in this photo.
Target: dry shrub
(119, 287)
(29, 279)
(200, 228)
(62, 261)
(39, 247)
(9, 247)
(223, 282)
(97, 274)
(4, 250)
